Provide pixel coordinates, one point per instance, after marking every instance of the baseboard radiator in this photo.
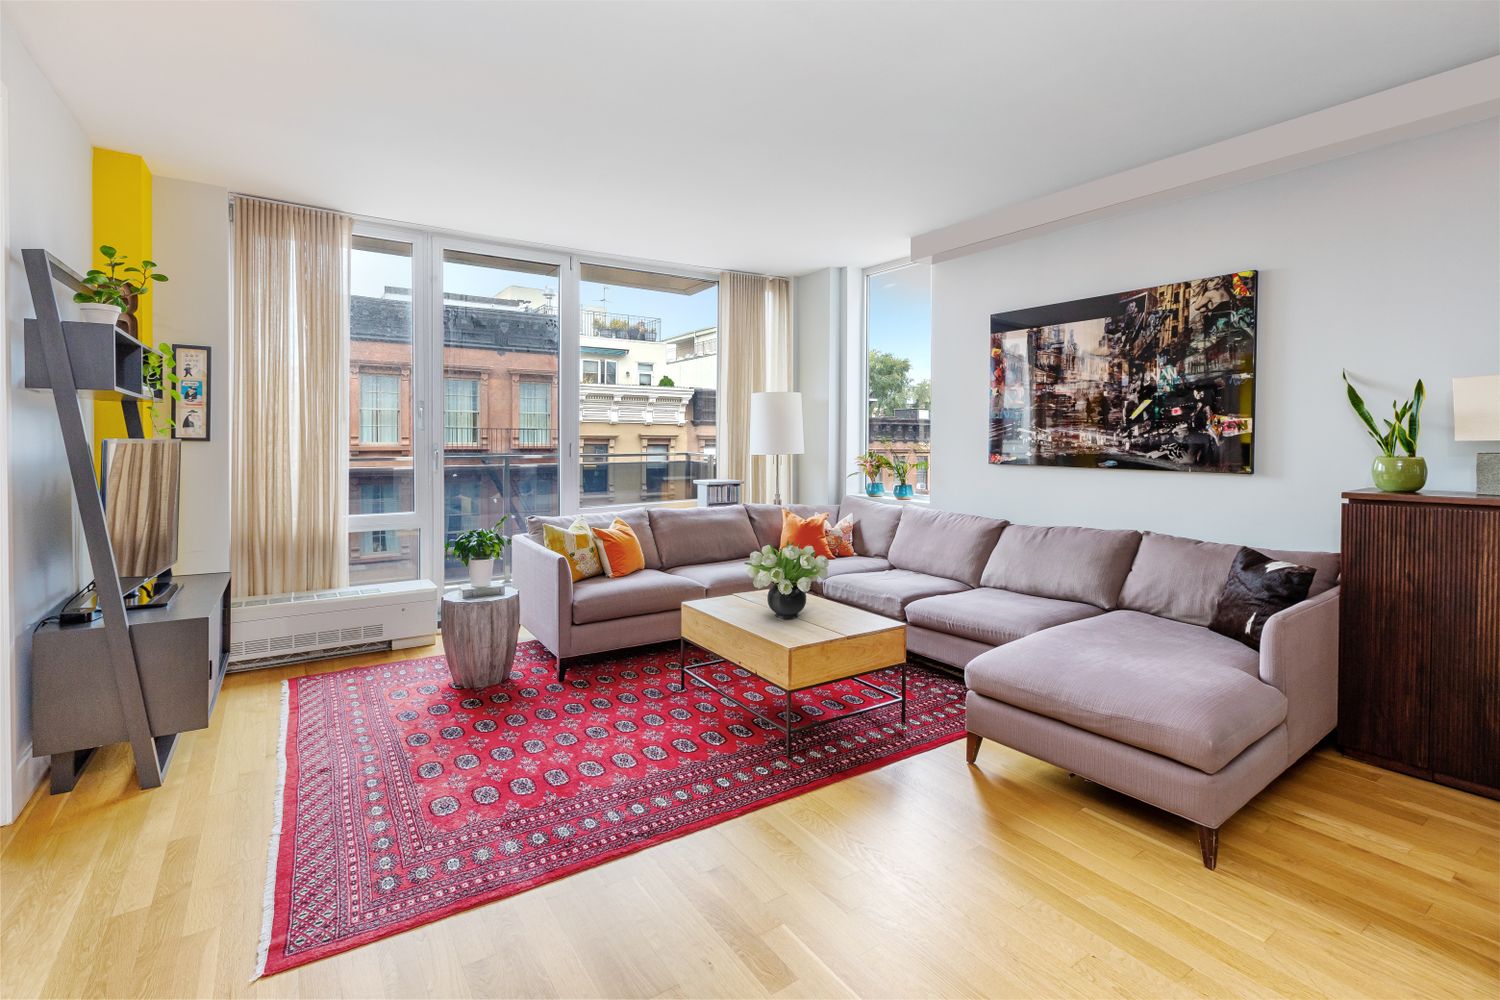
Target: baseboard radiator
(309, 625)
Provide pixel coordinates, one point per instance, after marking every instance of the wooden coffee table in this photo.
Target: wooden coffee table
(827, 642)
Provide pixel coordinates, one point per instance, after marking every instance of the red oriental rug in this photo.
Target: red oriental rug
(404, 799)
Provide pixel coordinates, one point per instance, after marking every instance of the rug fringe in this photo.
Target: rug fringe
(268, 899)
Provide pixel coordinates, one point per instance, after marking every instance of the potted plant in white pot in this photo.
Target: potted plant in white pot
(116, 290)
(478, 549)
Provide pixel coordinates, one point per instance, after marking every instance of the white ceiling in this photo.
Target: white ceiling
(776, 137)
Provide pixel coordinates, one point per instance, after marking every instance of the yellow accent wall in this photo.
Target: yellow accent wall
(122, 219)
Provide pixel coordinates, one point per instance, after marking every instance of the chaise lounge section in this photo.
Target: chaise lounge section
(1086, 648)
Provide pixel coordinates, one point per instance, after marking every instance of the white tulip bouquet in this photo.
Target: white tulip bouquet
(789, 569)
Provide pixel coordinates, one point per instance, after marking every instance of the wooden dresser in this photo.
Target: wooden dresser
(1419, 642)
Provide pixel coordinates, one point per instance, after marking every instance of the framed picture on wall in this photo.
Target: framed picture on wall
(1155, 378)
(192, 411)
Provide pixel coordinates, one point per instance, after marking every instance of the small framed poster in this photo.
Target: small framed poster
(191, 412)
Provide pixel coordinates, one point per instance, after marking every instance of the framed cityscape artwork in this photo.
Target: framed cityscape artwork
(191, 412)
(1156, 378)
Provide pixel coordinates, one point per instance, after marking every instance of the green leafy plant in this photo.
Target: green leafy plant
(159, 376)
(665, 382)
(788, 569)
(119, 285)
(480, 543)
(901, 468)
(1403, 427)
(870, 465)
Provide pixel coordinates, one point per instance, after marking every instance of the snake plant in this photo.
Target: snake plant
(1404, 426)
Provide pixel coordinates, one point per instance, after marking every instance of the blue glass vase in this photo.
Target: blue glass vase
(903, 491)
(874, 489)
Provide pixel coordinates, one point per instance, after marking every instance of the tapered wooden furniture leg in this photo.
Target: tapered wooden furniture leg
(972, 752)
(1208, 843)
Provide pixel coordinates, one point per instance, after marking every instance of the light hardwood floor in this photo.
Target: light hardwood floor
(923, 878)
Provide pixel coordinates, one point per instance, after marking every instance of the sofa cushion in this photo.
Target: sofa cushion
(806, 532)
(687, 536)
(1174, 689)
(1181, 578)
(874, 524)
(944, 543)
(887, 593)
(638, 518)
(718, 578)
(1069, 564)
(857, 564)
(994, 617)
(765, 518)
(1326, 563)
(603, 598)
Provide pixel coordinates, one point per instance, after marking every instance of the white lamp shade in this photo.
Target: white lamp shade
(776, 423)
(1476, 408)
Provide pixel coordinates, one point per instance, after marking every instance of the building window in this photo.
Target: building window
(460, 411)
(643, 370)
(536, 415)
(379, 408)
(596, 467)
(597, 372)
(898, 343)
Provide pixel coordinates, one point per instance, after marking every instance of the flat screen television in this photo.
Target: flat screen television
(139, 480)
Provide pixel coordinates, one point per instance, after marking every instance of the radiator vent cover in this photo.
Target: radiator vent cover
(308, 624)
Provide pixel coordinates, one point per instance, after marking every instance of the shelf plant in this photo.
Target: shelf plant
(159, 376)
(478, 549)
(117, 288)
(1392, 472)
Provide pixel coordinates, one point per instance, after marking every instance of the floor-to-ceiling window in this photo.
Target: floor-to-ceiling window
(898, 373)
(649, 355)
(489, 381)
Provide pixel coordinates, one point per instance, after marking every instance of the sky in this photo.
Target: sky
(370, 273)
(899, 316)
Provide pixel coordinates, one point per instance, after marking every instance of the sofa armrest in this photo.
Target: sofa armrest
(546, 586)
(1299, 655)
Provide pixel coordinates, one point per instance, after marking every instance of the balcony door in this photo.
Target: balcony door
(494, 381)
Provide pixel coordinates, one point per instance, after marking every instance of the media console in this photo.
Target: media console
(180, 651)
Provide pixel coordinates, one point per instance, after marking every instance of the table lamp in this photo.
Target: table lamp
(776, 427)
(1476, 417)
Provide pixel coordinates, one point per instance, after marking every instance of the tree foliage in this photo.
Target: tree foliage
(890, 382)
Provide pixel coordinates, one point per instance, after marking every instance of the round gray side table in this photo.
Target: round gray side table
(479, 636)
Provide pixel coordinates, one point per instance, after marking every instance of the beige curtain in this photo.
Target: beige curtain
(291, 428)
(755, 343)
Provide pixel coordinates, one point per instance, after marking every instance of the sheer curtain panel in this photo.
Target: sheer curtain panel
(291, 428)
(755, 338)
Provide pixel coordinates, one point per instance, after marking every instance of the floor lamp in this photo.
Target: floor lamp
(776, 428)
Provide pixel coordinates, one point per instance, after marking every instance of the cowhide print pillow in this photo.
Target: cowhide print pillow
(1257, 588)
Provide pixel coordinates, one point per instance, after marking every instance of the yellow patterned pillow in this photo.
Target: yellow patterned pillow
(575, 543)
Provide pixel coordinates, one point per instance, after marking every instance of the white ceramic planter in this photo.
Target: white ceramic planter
(481, 572)
(97, 312)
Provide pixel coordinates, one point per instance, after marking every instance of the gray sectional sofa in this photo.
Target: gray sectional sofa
(1086, 648)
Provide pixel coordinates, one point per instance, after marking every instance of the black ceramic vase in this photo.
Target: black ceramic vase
(786, 605)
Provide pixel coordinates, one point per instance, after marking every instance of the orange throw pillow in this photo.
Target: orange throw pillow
(806, 531)
(619, 549)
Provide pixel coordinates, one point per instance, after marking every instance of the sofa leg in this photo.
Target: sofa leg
(972, 752)
(1208, 843)
(562, 669)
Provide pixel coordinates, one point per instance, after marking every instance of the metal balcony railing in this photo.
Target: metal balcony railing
(620, 326)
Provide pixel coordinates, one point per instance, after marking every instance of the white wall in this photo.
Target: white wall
(1387, 263)
(48, 204)
(190, 240)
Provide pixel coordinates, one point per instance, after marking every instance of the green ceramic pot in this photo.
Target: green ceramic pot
(1399, 473)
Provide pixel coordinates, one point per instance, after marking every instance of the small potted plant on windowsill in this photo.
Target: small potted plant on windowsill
(870, 465)
(1395, 473)
(788, 575)
(901, 468)
(478, 549)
